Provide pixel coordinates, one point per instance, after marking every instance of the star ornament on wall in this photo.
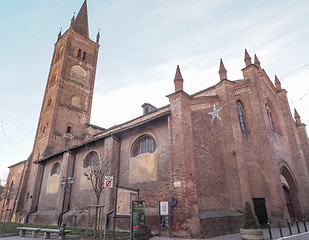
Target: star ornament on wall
(215, 113)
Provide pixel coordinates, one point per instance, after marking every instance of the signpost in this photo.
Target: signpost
(108, 183)
(137, 216)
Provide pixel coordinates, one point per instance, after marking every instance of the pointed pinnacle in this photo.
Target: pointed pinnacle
(222, 71)
(277, 83)
(178, 80)
(98, 36)
(247, 58)
(178, 74)
(256, 61)
(297, 117)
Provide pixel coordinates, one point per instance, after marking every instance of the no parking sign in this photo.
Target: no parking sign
(108, 181)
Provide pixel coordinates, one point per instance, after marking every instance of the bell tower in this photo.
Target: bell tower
(67, 101)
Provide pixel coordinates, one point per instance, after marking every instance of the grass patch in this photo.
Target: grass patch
(76, 233)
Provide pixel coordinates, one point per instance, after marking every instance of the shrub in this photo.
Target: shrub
(249, 220)
(143, 233)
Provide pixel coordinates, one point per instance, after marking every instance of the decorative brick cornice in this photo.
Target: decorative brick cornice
(241, 90)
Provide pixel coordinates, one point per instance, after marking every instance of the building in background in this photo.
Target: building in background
(212, 151)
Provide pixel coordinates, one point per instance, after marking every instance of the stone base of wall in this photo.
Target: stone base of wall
(44, 217)
(219, 222)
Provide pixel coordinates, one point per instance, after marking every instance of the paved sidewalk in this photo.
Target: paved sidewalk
(275, 234)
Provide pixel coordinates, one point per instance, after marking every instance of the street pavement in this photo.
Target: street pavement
(275, 235)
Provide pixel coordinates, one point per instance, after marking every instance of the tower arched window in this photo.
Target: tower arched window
(79, 54)
(241, 115)
(49, 102)
(69, 129)
(84, 56)
(144, 144)
(270, 117)
(55, 169)
(91, 159)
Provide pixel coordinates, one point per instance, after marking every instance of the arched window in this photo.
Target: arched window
(144, 144)
(69, 128)
(84, 56)
(53, 78)
(79, 54)
(241, 115)
(270, 117)
(56, 169)
(91, 159)
(49, 102)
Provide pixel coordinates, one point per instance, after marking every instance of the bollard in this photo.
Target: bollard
(269, 230)
(297, 225)
(279, 226)
(289, 225)
(305, 225)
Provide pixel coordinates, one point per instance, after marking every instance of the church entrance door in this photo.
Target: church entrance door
(260, 211)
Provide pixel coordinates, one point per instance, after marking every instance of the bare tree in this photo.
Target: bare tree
(95, 173)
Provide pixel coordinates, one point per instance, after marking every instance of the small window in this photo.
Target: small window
(241, 115)
(79, 54)
(69, 128)
(91, 159)
(56, 169)
(144, 144)
(84, 56)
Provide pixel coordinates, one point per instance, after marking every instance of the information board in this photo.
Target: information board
(124, 199)
(137, 215)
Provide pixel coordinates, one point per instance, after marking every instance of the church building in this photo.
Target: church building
(210, 152)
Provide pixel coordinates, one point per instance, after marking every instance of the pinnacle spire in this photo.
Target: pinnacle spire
(257, 61)
(297, 117)
(98, 37)
(277, 83)
(247, 58)
(222, 71)
(178, 80)
(80, 23)
(59, 35)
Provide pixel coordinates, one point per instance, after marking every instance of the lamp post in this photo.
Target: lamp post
(66, 184)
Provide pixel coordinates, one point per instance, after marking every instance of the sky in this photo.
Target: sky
(141, 44)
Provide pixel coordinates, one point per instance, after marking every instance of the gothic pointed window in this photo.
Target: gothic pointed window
(270, 117)
(241, 115)
(144, 144)
(84, 56)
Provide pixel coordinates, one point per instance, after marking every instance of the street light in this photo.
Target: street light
(66, 183)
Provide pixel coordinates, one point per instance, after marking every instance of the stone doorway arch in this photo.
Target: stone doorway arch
(290, 191)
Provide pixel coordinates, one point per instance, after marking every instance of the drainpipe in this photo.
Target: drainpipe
(17, 192)
(117, 183)
(60, 217)
(38, 197)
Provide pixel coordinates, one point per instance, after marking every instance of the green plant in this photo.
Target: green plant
(143, 233)
(249, 219)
